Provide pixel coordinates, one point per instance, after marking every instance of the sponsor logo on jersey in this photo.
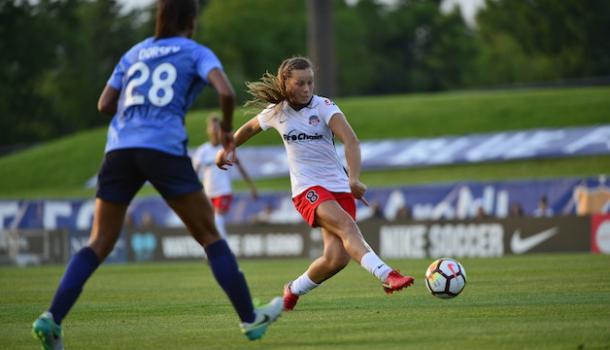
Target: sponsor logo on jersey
(312, 196)
(314, 120)
(295, 135)
(329, 102)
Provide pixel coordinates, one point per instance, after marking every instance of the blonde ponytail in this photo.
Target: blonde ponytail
(271, 89)
(265, 91)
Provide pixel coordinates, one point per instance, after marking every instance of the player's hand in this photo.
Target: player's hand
(358, 189)
(222, 160)
(226, 137)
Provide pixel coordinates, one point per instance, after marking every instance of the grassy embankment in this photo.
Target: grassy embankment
(60, 168)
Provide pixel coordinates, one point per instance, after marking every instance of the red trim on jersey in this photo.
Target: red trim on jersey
(307, 202)
(222, 204)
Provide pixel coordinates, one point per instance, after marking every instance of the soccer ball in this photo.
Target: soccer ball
(445, 278)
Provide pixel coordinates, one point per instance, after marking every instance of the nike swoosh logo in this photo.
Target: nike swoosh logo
(521, 245)
(265, 319)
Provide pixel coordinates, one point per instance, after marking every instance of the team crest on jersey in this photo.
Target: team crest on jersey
(329, 102)
(314, 120)
(312, 196)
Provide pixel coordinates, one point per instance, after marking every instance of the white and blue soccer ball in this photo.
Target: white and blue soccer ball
(445, 278)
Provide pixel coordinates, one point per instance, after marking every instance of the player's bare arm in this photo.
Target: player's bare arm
(243, 134)
(344, 132)
(226, 98)
(108, 101)
(247, 131)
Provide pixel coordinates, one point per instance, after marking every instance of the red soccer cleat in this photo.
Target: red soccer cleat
(290, 299)
(394, 283)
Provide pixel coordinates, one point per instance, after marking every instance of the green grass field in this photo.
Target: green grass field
(557, 301)
(60, 168)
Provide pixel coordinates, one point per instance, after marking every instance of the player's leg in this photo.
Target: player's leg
(221, 205)
(196, 213)
(176, 180)
(219, 221)
(333, 260)
(332, 216)
(118, 181)
(104, 234)
(107, 223)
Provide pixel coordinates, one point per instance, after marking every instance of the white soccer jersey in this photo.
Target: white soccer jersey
(216, 182)
(309, 143)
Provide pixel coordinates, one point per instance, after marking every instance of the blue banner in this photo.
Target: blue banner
(460, 200)
(270, 161)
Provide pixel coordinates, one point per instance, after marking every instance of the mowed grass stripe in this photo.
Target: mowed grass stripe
(557, 301)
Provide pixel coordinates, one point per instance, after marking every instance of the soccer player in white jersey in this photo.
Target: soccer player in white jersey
(148, 94)
(216, 182)
(323, 191)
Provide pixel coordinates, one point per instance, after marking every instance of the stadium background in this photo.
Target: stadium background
(522, 78)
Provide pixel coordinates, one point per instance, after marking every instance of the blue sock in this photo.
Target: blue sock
(227, 274)
(80, 267)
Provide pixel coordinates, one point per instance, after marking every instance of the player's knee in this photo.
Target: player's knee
(205, 235)
(350, 229)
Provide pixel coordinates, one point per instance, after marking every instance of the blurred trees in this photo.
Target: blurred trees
(542, 40)
(56, 57)
(57, 54)
(251, 37)
(411, 46)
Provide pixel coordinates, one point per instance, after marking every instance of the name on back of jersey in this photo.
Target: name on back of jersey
(157, 51)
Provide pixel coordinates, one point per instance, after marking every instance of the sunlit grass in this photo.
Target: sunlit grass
(520, 302)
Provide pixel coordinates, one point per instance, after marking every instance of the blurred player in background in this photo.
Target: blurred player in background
(323, 191)
(543, 209)
(216, 182)
(149, 92)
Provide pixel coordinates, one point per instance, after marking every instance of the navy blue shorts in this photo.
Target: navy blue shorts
(124, 172)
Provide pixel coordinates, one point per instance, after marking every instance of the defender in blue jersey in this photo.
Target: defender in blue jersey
(148, 93)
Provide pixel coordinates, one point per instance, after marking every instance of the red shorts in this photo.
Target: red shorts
(222, 204)
(307, 202)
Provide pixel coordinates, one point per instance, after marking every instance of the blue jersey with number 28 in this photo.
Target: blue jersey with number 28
(158, 80)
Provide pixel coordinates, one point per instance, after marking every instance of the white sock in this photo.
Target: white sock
(302, 285)
(219, 220)
(373, 264)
